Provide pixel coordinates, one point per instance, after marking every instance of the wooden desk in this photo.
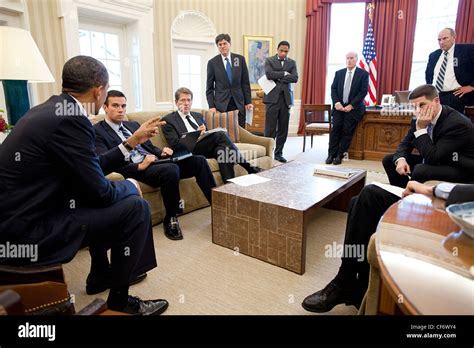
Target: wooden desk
(378, 134)
(421, 275)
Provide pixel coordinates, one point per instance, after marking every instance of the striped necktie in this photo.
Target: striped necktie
(127, 134)
(442, 72)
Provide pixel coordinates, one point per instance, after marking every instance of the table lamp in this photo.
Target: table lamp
(20, 62)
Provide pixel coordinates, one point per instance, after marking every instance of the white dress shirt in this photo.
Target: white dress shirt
(450, 82)
(345, 77)
(186, 123)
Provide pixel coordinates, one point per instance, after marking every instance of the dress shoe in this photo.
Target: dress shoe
(255, 170)
(281, 159)
(337, 160)
(136, 306)
(333, 294)
(172, 229)
(329, 160)
(99, 283)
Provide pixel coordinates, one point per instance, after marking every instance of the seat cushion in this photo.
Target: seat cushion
(228, 120)
(312, 127)
(251, 151)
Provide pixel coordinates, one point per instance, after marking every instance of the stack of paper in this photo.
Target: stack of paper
(338, 172)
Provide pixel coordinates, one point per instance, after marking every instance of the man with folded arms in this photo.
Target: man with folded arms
(54, 193)
(140, 162)
(215, 145)
(365, 211)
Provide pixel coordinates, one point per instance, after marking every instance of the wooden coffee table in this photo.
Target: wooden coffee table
(268, 220)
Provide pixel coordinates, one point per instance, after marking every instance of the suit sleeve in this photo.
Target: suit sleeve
(453, 137)
(171, 133)
(334, 95)
(461, 194)
(405, 147)
(292, 77)
(72, 144)
(271, 73)
(429, 72)
(246, 83)
(470, 52)
(210, 85)
(364, 87)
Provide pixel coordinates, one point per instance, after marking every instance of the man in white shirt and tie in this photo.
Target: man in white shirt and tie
(451, 70)
(347, 92)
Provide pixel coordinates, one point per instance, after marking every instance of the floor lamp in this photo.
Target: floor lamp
(20, 62)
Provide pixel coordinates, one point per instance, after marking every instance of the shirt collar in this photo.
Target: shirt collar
(183, 116)
(451, 50)
(223, 58)
(433, 122)
(347, 69)
(83, 111)
(112, 125)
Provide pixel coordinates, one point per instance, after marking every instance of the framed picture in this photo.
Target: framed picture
(387, 100)
(256, 50)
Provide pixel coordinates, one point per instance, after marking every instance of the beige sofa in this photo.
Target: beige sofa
(256, 149)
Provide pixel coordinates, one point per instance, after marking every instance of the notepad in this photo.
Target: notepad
(337, 172)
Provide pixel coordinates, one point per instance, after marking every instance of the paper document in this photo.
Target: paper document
(266, 84)
(249, 116)
(397, 191)
(210, 131)
(248, 180)
(338, 172)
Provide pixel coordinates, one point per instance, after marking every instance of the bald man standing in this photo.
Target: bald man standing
(451, 70)
(348, 91)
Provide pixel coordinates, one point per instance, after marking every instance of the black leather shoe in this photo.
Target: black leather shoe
(329, 160)
(281, 159)
(172, 229)
(98, 283)
(136, 306)
(333, 294)
(255, 170)
(337, 160)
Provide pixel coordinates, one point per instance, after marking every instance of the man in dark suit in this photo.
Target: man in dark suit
(444, 139)
(450, 70)
(215, 145)
(348, 91)
(142, 164)
(228, 84)
(365, 211)
(54, 194)
(282, 70)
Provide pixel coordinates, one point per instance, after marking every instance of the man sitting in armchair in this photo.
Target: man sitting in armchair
(216, 145)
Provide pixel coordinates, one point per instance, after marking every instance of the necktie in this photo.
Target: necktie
(442, 72)
(138, 149)
(429, 129)
(191, 122)
(228, 68)
(282, 61)
(347, 88)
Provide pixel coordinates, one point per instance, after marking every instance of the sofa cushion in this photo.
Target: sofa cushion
(228, 120)
(251, 151)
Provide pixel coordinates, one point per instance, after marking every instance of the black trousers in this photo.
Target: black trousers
(125, 228)
(277, 118)
(424, 172)
(232, 106)
(448, 98)
(365, 212)
(219, 146)
(342, 131)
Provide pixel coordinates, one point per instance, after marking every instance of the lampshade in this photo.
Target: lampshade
(20, 58)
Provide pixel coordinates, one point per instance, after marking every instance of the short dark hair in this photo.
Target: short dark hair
(284, 43)
(221, 37)
(428, 91)
(82, 73)
(113, 93)
(182, 90)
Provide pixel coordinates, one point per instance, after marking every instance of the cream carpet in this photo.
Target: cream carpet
(198, 277)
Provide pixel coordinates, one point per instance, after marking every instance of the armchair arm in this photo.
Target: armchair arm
(115, 176)
(267, 143)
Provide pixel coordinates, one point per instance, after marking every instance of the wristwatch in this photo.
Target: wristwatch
(127, 145)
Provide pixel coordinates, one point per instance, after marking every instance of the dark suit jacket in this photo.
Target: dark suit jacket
(463, 70)
(48, 160)
(175, 127)
(461, 194)
(107, 139)
(218, 88)
(359, 88)
(453, 141)
(276, 72)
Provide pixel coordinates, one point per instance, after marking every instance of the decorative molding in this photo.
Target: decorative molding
(193, 25)
(18, 6)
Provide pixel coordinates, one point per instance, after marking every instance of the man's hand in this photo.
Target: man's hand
(460, 92)
(348, 108)
(403, 168)
(249, 107)
(202, 128)
(425, 117)
(137, 186)
(149, 159)
(416, 187)
(212, 110)
(147, 130)
(166, 152)
(339, 107)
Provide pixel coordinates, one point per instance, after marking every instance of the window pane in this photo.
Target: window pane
(195, 83)
(184, 80)
(98, 44)
(195, 64)
(85, 42)
(344, 39)
(183, 64)
(115, 74)
(433, 15)
(112, 44)
(197, 97)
